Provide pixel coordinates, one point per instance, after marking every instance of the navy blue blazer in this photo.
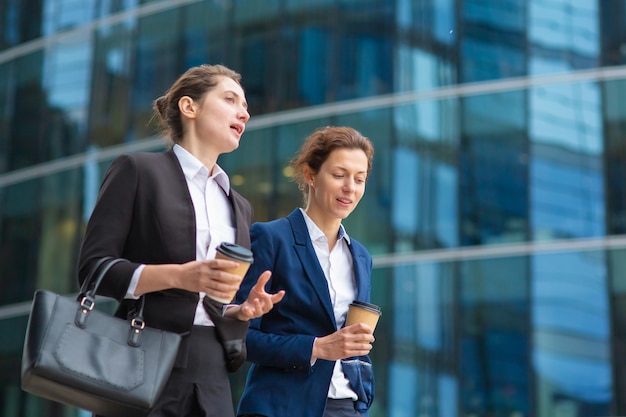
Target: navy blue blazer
(281, 381)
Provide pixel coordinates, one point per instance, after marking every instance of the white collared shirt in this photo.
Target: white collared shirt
(339, 272)
(213, 212)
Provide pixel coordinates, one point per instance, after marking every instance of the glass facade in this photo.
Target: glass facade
(495, 211)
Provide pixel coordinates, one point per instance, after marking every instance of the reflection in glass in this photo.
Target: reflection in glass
(566, 169)
(571, 343)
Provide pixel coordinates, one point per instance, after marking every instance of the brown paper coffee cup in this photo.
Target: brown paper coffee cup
(233, 252)
(362, 312)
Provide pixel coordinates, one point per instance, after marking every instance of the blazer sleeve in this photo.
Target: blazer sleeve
(266, 344)
(108, 227)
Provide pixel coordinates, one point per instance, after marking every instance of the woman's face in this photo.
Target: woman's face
(338, 186)
(221, 116)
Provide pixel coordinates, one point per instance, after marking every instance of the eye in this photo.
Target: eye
(230, 99)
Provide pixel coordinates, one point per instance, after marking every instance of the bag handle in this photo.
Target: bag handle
(87, 300)
(87, 296)
(137, 324)
(84, 289)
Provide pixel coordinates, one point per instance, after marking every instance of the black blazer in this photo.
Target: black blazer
(144, 213)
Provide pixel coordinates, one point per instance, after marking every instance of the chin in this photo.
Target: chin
(344, 215)
(231, 148)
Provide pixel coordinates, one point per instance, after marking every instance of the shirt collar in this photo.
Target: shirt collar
(192, 167)
(316, 233)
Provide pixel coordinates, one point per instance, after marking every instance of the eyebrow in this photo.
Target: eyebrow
(346, 169)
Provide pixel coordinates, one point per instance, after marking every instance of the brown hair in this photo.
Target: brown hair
(194, 83)
(319, 145)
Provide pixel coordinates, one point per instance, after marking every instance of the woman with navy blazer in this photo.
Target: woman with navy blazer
(305, 362)
(165, 213)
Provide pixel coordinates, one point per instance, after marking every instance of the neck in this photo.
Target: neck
(206, 155)
(330, 227)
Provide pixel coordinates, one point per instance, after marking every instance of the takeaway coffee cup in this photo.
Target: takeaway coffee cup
(234, 252)
(362, 312)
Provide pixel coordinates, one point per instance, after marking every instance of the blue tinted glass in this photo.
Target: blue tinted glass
(565, 26)
(493, 170)
(493, 336)
(566, 171)
(571, 344)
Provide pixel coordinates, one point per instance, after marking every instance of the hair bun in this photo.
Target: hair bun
(160, 105)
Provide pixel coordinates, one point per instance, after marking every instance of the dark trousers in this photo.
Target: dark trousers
(202, 388)
(334, 408)
(341, 408)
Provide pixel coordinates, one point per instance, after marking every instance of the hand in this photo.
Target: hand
(210, 277)
(353, 340)
(258, 302)
(196, 276)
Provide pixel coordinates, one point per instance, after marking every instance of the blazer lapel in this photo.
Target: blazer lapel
(360, 274)
(184, 212)
(242, 218)
(310, 263)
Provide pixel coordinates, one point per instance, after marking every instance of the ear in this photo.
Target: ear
(187, 107)
(308, 174)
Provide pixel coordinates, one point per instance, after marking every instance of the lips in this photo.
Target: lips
(345, 201)
(238, 128)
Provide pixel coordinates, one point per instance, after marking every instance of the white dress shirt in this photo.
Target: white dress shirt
(214, 216)
(339, 272)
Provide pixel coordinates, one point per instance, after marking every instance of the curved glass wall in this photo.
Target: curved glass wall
(495, 208)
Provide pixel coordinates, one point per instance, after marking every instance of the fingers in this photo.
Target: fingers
(259, 301)
(251, 309)
(278, 296)
(263, 302)
(359, 333)
(205, 276)
(360, 344)
(259, 288)
(342, 344)
(359, 328)
(262, 281)
(221, 264)
(221, 281)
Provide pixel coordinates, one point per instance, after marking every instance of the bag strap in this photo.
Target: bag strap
(89, 280)
(87, 299)
(87, 295)
(137, 324)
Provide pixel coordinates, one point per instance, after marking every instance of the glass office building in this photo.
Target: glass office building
(495, 211)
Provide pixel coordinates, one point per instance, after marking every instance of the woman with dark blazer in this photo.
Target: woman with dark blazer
(305, 362)
(165, 213)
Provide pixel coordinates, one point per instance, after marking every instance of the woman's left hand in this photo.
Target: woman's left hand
(258, 302)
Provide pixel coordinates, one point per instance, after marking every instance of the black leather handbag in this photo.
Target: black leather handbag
(86, 358)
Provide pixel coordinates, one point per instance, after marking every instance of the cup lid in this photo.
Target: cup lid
(237, 252)
(366, 306)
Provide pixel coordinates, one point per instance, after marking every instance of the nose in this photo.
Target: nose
(349, 184)
(243, 115)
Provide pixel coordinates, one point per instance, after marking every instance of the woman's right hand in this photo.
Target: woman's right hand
(210, 277)
(353, 340)
(196, 276)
